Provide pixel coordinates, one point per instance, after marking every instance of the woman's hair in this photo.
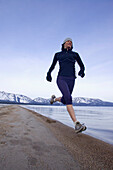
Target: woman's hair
(62, 48)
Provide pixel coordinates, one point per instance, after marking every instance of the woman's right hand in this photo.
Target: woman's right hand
(48, 77)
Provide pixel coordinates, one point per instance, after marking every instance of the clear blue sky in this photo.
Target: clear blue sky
(31, 31)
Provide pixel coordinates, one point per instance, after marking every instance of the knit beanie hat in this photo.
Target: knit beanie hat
(67, 39)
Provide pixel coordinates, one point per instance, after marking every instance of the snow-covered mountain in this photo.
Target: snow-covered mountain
(78, 101)
(42, 100)
(82, 100)
(16, 98)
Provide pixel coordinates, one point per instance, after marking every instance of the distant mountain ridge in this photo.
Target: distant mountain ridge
(16, 98)
(10, 98)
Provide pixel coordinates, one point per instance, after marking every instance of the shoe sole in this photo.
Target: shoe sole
(52, 99)
(80, 130)
(51, 102)
(84, 128)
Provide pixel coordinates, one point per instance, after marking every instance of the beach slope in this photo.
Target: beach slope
(31, 141)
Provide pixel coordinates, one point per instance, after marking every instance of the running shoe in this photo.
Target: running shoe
(79, 127)
(52, 100)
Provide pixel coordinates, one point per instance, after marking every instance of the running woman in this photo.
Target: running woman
(66, 78)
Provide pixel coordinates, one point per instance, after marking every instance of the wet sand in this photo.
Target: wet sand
(30, 141)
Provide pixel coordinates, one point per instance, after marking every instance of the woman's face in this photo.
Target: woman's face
(68, 44)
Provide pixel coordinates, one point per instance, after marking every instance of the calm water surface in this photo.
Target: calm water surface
(99, 120)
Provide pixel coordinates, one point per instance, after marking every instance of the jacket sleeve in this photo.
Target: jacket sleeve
(53, 64)
(80, 63)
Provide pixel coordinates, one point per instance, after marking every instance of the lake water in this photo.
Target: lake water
(99, 120)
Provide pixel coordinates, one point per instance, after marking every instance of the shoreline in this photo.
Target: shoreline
(28, 132)
(97, 132)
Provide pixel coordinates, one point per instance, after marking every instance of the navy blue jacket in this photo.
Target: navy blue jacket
(67, 61)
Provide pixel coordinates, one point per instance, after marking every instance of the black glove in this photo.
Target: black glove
(81, 73)
(49, 78)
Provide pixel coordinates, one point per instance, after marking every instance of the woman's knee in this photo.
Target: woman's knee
(68, 100)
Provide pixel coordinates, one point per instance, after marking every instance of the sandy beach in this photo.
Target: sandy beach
(30, 141)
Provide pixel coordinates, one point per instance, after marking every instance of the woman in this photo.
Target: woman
(66, 78)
